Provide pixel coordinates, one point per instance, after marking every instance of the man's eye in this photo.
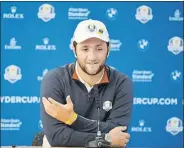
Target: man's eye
(99, 49)
(85, 49)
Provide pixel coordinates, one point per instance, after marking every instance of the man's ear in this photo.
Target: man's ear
(108, 51)
(73, 48)
(108, 54)
(75, 54)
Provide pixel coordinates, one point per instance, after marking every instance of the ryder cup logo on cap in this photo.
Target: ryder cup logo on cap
(46, 12)
(89, 29)
(175, 45)
(12, 73)
(144, 14)
(107, 105)
(174, 125)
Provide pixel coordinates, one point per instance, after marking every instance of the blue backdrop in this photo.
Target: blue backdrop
(146, 44)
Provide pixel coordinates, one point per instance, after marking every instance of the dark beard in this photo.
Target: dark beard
(84, 69)
(99, 70)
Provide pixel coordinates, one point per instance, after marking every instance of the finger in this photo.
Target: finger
(127, 135)
(124, 146)
(68, 100)
(124, 136)
(122, 128)
(46, 103)
(44, 99)
(123, 143)
(124, 140)
(52, 101)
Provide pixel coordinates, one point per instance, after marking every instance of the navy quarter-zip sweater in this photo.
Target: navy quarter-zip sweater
(115, 92)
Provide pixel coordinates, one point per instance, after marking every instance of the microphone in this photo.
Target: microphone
(99, 141)
(98, 102)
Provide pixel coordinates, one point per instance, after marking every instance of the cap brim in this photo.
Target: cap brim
(81, 39)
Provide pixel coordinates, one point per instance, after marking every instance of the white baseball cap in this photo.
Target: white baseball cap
(90, 28)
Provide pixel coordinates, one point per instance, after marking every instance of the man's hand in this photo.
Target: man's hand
(118, 137)
(62, 112)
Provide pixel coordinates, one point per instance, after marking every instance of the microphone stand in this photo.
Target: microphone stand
(99, 141)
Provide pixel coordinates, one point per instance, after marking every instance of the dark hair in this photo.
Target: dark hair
(75, 44)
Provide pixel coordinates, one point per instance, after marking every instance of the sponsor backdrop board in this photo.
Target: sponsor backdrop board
(146, 44)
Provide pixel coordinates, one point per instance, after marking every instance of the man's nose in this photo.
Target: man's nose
(91, 55)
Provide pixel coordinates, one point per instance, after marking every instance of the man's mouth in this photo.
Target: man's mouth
(92, 64)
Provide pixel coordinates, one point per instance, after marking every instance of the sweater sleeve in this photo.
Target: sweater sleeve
(120, 114)
(58, 133)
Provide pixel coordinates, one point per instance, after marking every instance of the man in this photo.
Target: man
(72, 93)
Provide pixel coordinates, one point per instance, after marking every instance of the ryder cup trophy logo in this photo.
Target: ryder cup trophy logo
(12, 74)
(46, 12)
(91, 27)
(144, 14)
(175, 45)
(107, 105)
(174, 126)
